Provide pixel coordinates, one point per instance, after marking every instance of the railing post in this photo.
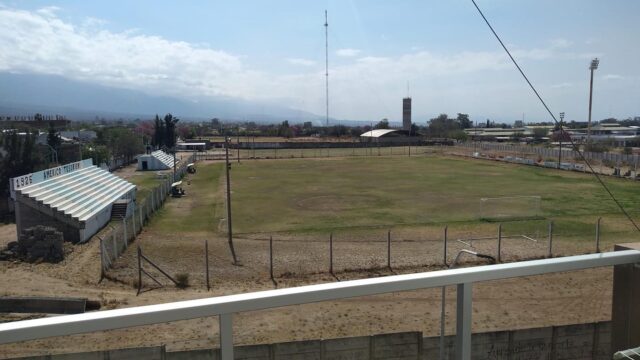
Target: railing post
(444, 252)
(463, 322)
(598, 235)
(499, 242)
(550, 251)
(226, 336)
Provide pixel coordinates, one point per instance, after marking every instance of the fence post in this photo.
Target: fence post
(102, 255)
(124, 229)
(116, 251)
(598, 235)
(139, 270)
(389, 249)
(206, 262)
(499, 242)
(331, 253)
(271, 258)
(444, 252)
(550, 251)
(133, 221)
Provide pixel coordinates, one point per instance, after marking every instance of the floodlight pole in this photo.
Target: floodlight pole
(229, 225)
(594, 65)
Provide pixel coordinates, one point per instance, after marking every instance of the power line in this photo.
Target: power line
(559, 124)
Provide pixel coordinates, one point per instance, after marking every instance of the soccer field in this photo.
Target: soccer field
(322, 195)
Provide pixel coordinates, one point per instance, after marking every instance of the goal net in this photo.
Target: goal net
(510, 208)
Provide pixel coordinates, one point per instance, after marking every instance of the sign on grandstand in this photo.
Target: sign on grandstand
(40, 176)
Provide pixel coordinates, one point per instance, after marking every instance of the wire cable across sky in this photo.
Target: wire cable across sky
(559, 124)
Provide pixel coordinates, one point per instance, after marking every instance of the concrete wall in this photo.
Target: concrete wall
(144, 353)
(400, 346)
(27, 217)
(44, 305)
(569, 342)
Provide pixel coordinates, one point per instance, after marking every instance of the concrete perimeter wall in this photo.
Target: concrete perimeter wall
(569, 342)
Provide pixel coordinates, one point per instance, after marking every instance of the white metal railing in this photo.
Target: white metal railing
(226, 306)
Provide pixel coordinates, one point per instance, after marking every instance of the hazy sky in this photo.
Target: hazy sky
(274, 51)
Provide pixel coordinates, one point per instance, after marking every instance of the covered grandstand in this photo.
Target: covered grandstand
(157, 160)
(386, 136)
(75, 198)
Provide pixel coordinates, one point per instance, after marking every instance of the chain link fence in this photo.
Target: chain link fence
(124, 231)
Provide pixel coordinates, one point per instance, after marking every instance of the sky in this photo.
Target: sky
(440, 53)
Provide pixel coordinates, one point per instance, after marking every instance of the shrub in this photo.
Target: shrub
(182, 280)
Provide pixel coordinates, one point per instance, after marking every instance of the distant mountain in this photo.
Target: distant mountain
(26, 94)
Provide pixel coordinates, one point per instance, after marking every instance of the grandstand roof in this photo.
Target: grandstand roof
(165, 158)
(79, 194)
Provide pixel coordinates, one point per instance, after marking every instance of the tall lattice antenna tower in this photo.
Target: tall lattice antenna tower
(326, 60)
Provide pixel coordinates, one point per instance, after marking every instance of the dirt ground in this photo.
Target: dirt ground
(555, 299)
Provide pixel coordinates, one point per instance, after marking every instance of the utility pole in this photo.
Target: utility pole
(326, 54)
(174, 163)
(229, 226)
(560, 138)
(594, 65)
(238, 141)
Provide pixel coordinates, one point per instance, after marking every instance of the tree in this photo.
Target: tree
(146, 130)
(170, 123)
(442, 126)
(122, 143)
(158, 133)
(99, 153)
(382, 124)
(539, 133)
(463, 120)
(284, 130)
(414, 129)
(186, 132)
(53, 139)
(20, 156)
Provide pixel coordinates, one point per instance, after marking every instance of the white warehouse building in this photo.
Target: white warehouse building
(75, 198)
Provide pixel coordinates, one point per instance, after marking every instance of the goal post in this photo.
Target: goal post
(507, 208)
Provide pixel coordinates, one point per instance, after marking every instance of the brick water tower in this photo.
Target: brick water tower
(406, 114)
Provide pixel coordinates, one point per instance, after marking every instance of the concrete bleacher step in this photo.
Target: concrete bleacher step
(118, 210)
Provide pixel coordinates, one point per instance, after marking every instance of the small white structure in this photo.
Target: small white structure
(195, 146)
(157, 160)
(75, 198)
